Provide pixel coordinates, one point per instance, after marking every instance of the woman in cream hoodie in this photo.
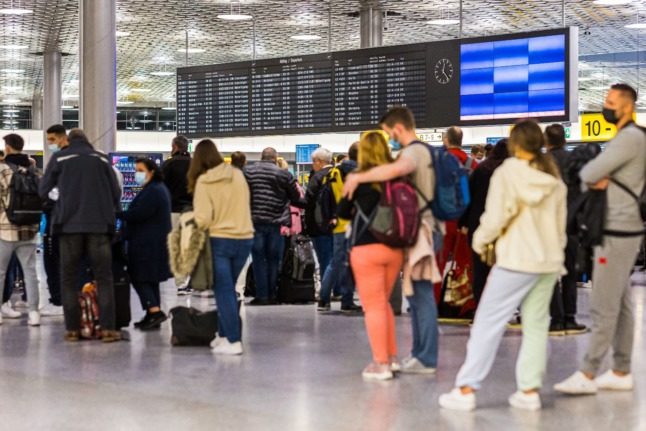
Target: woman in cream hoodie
(525, 216)
(221, 205)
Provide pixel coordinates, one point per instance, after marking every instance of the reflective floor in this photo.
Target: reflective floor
(301, 371)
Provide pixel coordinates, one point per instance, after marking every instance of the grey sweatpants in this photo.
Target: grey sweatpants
(611, 304)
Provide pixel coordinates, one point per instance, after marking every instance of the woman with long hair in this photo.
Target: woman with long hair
(525, 217)
(375, 265)
(221, 204)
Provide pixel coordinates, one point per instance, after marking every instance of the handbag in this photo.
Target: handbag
(458, 290)
(488, 256)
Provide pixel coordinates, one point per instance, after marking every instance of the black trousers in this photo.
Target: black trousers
(148, 294)
(97, 248)
(564, 300)
(52, 261)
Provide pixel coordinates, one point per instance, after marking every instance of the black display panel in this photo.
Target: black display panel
(350, 90)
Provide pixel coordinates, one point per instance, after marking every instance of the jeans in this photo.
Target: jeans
(338, 273)
(52, 260)
(229, 257)
(148, 294)
(266, 254)
(323, 245)
(73, 247)
(26, 253)
(423, 310)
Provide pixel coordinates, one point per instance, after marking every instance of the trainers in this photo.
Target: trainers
(456, 400)
(323, 306)
(216, 341)
(354, 308)
(21, 304)
(577, 384)
(183, 291)
(154, 321)
(51, 310)
(521, 400)
(557, 329)
(612, 382)
(377, 372)
(395, 365)
(34, 318)
(572, 327)
(225, 347)
(142, 321)
(414, 366)
(9, 312)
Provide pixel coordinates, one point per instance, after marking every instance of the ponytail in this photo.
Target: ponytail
(528, 136)
(545, 163)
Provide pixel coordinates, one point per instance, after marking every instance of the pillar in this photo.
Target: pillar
(37, 112)
(98, 80)
(52, 94)
(372, 26)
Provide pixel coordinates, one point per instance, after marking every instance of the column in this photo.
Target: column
(98, 80)
(52, 97)
(372, 25)
(37, 112)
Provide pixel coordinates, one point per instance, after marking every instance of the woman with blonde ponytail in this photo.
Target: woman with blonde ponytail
(525, 217)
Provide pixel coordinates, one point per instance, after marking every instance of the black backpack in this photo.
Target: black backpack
(25, 205)
(325, 209)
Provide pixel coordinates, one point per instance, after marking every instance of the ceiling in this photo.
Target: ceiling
(157, 34)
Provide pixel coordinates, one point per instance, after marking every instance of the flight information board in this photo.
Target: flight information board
(351, 90)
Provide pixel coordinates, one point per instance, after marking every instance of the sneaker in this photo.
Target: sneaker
(34, 318)
(414, 366)
(350, 309)
(557, 329)
(395, 365)
(521, 400)
(377, 372)
(142, 321)
(456, 400)
(572, 327)
(51, 310)
(225, 347)
(183, 291)
(336, 298)
(21, 304)
(323, 306)
(612, 382)
(9, 312)
(154, 321)
(216, 341)
(577, 384)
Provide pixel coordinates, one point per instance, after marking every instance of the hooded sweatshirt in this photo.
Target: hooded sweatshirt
(221, 203)
(525, 215)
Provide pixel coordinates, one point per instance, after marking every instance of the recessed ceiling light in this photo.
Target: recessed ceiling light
(306, 37)
(15, 11)
(163, 73)
(122, 33)
(140, 90)
(191, 50)
(235, 17)
(70, 96)
(11, 111)
(11, 101)
(637, 25)
(443, 21)
(125, 102)
(14, 46)
(611, 2)
(67, 107)
(15, 71)
(586, 78)
(168, 108)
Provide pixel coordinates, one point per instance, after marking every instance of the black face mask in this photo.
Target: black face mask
(610, 115)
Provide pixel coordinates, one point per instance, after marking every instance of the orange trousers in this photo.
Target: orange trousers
(376, 268)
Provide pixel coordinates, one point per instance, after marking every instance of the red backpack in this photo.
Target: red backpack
(90, 328)
(396, 218)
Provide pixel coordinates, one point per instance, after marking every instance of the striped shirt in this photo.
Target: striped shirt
(272, 190)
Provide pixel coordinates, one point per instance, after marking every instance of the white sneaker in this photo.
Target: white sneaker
(225, 347)
(395, 365)
(577, 384)
(521, 400)
(51, 310)
(34, 318)
(377, 372)
(414, 366)
(216, 342)
(612, 382)
(21, 304)
(9, 312)
(456, 400)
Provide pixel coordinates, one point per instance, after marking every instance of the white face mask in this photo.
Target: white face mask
(140, 178)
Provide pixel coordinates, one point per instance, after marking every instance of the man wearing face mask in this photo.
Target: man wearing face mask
(620, 170)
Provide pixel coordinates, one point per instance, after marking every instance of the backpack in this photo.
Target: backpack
(396, 218)
(452, 195)
(25, 205)
(90, 327)
(325, 209)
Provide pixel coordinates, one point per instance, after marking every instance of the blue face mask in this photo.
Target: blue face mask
(54, 148)
(394, 145)
(140, 178)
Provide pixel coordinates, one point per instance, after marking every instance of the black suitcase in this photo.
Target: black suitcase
(121, 283)
(296, 280)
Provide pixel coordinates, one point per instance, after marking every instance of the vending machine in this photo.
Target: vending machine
(125, 163)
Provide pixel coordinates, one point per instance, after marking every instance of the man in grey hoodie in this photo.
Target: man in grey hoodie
(621, 170)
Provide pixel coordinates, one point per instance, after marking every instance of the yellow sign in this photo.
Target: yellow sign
(594, 128)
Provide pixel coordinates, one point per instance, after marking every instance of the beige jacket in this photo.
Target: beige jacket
(421, 263)
(525, 214)
(221, 203)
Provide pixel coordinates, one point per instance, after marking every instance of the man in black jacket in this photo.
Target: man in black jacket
(84, 217)
(175, 172)
(564, 301)
(272, 190)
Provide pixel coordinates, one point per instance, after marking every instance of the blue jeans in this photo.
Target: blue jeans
(229, 257)
(267, 254)
(423, 310)
(338, 273)
(323, 246)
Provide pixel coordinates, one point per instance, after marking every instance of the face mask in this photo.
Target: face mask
(53, 148)
(394, 144)
(140, 178)
(610, 115)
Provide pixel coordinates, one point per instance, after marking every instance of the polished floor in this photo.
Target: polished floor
(300, 371)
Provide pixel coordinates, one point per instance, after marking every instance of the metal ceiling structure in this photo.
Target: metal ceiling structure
(155, 37)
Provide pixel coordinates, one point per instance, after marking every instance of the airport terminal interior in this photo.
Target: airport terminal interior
(297, 215)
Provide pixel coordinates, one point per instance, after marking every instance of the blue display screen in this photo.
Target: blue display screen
(515, 78)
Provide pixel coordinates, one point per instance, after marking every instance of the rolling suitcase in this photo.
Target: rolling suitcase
(296, 280)
(121, 283)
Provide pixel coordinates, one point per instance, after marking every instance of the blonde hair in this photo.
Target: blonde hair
(282, 163)
(373, 151)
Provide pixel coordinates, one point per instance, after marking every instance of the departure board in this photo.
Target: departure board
(351, 90)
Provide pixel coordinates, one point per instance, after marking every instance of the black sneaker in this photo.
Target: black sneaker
(323, 306)
(154, 321)
(354, 308)
(142, 321)
(259, 302)
(557, 329)
(336, 298)
(572, 327)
